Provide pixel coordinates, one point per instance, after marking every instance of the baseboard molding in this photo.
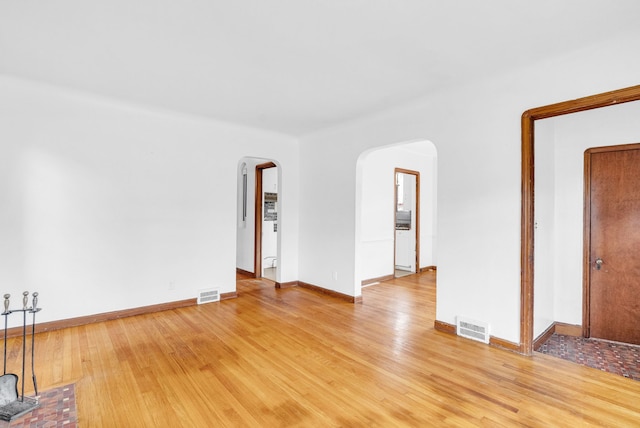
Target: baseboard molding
(568, 329)
(496, 342)
(379, 279)
(346, 297)
(105, 316)
(390, 277)
(556, 327)
(109, 316)
(504, 344)
(244, 272)
(229, 295)
(560, 328)
(444, 327)
(544, 336)
(289, 284)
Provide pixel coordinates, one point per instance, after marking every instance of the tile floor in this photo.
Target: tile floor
(613, 357)
(57, 409)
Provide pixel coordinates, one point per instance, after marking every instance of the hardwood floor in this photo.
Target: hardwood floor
(293, 357)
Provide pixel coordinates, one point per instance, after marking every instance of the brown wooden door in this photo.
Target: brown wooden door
(612, 289)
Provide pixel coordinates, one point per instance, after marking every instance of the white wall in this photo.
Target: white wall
(105, 207)
(377, 204)
(245, 232)
(245, 215)
(544, 234)
(476, 128)
(571, 136)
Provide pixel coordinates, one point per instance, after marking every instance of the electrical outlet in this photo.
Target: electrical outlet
(334, 275)
(172, 285)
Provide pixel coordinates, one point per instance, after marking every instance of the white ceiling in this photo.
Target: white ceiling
(292, 66)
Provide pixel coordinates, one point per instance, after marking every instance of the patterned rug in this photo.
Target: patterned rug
(612, 357)
(57, 409)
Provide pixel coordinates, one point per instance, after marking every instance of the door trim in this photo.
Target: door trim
(257, 241)
(527, 188)
(586, 262)
(417, 214)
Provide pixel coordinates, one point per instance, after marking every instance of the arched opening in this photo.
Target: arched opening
(377, 209)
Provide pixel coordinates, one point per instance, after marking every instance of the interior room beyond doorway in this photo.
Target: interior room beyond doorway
(257, 250)
(378, 208)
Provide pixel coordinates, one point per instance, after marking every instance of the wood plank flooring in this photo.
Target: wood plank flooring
(297, 358)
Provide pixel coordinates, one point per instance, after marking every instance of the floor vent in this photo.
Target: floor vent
(208, 295)
(472, 329)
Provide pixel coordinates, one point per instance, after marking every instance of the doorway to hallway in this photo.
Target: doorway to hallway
(406, 222)
(258, 231)
(391, 231)
(560, 298)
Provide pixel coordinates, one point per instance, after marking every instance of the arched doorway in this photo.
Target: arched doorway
(376, 208)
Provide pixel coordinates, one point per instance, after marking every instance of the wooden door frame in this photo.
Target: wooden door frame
(417, 214)
(586, 266)
(257, 241)
(527, 187)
